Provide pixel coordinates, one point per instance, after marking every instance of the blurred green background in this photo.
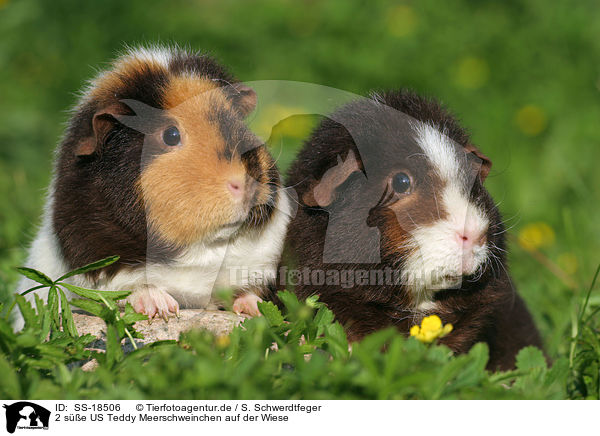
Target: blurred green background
(523, 76)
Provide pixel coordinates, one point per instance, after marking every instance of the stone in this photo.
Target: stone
(217, 322)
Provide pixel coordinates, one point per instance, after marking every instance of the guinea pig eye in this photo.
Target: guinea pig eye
(171, 136)
(401, 183)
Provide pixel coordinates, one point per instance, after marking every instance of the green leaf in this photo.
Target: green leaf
(289, 300)
(298, 328)
(35, 275)
(271, 313)
(53, 306)
(27, 340)
(313, 301)
(96, 295)
(27, 311)
(114, 352)
(337, 340)
(88, 305)
(35, 288)
(130, 316)
(472, 367)
(323, 318)
(45, 316)
(10, 387)
(91, 267)
(558, 373)
(67, 315)
(529, 358)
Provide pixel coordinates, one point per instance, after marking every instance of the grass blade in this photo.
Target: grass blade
(589, 292)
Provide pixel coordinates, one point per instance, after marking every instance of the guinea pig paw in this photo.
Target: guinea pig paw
(153, 301)
(246, 304)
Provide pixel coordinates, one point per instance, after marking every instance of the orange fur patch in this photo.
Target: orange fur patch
(104, 86)
(188, 90)
(185, 189)
(265, 162)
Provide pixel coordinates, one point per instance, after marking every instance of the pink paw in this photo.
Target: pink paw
(247, 304)
(152, 301)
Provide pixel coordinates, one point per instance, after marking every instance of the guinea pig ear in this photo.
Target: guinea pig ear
(245, 98)
(322, 193)
(102, 122)
(486, 163)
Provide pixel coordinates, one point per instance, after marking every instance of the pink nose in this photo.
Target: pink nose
(236, 187)
(469, 239)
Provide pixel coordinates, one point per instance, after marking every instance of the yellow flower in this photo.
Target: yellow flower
(222, 341)
(431, 328)
(536, 235)
(531, 120)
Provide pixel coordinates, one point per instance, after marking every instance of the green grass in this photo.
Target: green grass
(300, 354)
(521, 75)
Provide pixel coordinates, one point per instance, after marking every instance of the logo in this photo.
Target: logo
(26, 415)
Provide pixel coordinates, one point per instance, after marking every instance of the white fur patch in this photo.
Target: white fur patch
(191, 279)
(157, 54)
(439, 259)
(439, 149)
(150, 54)
(44, 255)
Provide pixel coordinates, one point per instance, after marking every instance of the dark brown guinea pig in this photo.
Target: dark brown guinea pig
(158, 167)
(394, 224)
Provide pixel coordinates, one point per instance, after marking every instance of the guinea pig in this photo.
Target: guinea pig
(394, 224)
(158, 167)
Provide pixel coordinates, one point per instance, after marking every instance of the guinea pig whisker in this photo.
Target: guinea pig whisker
(410, 217)
(505, 221)
(296, 184)
(515, 216)
(416, 154)
(494, 246)
(499, 262)
(479, 272)
(436, 204)
(506, 229)
(279, 155)
(235, 149)
(385, 197)
(228, 84)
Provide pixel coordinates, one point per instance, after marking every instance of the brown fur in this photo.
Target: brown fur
(485, 308)
(120, 190)
(185, 189)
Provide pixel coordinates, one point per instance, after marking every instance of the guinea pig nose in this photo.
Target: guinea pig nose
(469, 239)
(236, 187)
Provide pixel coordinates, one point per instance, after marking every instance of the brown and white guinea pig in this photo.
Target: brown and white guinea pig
(394, 224)
(158, 167)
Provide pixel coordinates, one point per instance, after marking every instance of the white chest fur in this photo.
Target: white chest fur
(192, 278)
